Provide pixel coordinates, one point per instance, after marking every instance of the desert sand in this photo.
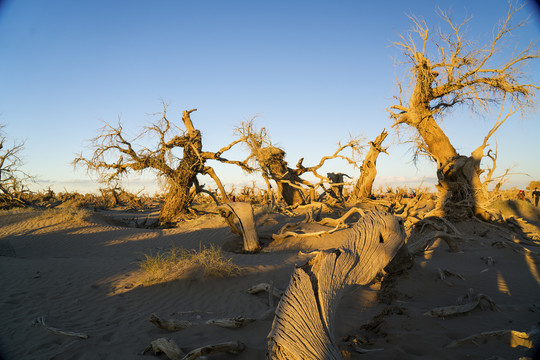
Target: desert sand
(81, 274)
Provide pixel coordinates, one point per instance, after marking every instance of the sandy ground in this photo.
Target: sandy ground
(80, 275)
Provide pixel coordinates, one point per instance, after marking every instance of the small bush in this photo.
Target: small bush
(180, 263)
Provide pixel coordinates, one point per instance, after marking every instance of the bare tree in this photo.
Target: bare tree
(270, 161)
(13, 181)
(114, 157)
(459, 72)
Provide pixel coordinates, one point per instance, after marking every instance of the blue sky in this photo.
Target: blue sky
(312, 71)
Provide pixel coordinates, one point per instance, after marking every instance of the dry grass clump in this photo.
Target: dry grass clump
(177, 263)
(73, 216)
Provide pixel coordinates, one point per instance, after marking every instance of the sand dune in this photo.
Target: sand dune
(80, 273)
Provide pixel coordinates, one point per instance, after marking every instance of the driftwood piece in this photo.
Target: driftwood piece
(233, 347)
(512, 337)
(303, 327)
(169, 324)
(231, 323)
(255, 289)
(173, 352)
(473, 301)
(167, 346)
(445, 273)
(40, 321)
(243, 212)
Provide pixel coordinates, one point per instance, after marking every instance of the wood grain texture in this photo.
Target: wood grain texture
(303, 327)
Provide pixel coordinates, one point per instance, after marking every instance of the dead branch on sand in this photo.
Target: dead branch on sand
(169, 324)
(475, 300)
(40, 321)
(231, 323)
(269, 288)
(173, 352)
(511, 337)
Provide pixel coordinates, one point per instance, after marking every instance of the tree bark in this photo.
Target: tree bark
(303, 327)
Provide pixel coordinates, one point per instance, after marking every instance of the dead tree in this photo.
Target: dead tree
(368, 171)
(270, 161)
(337, 180)
(460, 73)
(13, 179)
(303, 326)
(180, 173)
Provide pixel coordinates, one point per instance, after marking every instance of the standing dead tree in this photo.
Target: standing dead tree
(368, 171)
(114, 156)
(270, 161)
(12, 178)
(460, 73)
(303, 326)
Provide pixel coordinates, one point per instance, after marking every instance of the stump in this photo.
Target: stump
(243, 212)
(303, 326)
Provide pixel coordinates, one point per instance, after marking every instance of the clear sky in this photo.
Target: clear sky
(312, 71)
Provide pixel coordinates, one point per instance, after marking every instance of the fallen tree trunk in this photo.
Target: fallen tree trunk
(303, 327)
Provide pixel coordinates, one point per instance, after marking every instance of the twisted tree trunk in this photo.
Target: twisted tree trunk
(459, 185)
(303, 327)
(181, 179)
(363, 187)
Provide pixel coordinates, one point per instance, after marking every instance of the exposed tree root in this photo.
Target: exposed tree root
(337, 223)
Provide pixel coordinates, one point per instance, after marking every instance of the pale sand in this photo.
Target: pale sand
(81, 277)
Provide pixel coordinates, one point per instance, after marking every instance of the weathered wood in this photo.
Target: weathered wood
(169, 324)
(303, 327)
(231, 323)
(478, 301)
(40, 321)
(243, 212)
(233, 347)
(511, 337)
(167, 346)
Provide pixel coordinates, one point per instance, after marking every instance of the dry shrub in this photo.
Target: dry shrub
(177, 263)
